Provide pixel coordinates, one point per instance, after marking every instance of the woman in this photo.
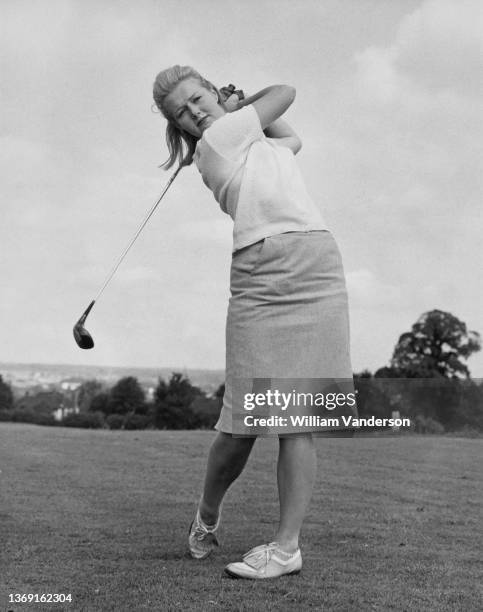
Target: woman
(287, 315)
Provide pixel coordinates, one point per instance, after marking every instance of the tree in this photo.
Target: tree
(127, 397)
(373, 399)
(434, 348)
(6, 395)
(172, 403)
(220, 392)
(43, 402)
(432, 355)
(86, 393)
(100, 403)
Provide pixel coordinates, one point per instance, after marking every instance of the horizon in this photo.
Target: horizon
(172, 368)
(93, 365)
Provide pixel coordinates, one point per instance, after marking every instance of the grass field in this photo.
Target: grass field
(394, 524)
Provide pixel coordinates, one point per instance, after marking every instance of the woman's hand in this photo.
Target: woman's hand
(231, 97)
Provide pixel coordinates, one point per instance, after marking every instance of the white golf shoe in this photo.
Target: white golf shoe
(266, 561)
(202, 539)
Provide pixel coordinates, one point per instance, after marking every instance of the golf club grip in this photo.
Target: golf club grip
(133, 240)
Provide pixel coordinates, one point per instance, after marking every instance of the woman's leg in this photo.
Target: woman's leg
(297, 463)
(226, 460)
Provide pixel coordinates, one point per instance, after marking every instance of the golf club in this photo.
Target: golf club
(81, 335)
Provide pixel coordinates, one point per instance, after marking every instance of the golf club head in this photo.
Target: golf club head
(81, 335)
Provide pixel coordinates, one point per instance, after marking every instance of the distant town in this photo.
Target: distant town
(29, 378)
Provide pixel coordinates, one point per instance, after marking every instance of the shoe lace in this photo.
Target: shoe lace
(260, 556)
(201, 530)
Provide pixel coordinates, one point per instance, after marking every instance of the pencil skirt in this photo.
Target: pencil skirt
(287, 314)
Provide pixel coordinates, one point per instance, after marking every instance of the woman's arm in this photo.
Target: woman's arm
(270, 103)
(278, 129)
(284, 134)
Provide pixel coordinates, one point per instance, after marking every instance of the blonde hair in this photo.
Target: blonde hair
(181, 145)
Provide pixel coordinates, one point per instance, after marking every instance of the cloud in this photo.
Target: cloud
(402, 158)
(439, 46)
(410, 132)
(434, 58)
(366, 291)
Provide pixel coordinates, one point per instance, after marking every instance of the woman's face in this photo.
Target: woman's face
(193, 107)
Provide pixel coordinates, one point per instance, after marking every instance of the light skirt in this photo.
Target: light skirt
(287, 315)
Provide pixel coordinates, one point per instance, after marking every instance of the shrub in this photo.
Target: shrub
(467, 431)
(427, 425)
(206, 411)
(136, 421)
(24, 415)
(88, 420)
(115, 421)
(6, 395)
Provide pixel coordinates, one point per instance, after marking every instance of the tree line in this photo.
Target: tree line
(426, 380)
(177, 404)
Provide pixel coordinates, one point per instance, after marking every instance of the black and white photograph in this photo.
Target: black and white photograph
(241, 364)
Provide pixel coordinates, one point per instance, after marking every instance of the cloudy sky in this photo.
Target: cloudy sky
(389, 98)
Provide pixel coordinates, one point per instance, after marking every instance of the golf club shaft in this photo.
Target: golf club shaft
(133, 240)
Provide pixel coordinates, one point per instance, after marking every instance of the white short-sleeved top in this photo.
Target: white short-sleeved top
(255, 180)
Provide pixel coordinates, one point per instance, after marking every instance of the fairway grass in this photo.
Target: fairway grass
(394, 523)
